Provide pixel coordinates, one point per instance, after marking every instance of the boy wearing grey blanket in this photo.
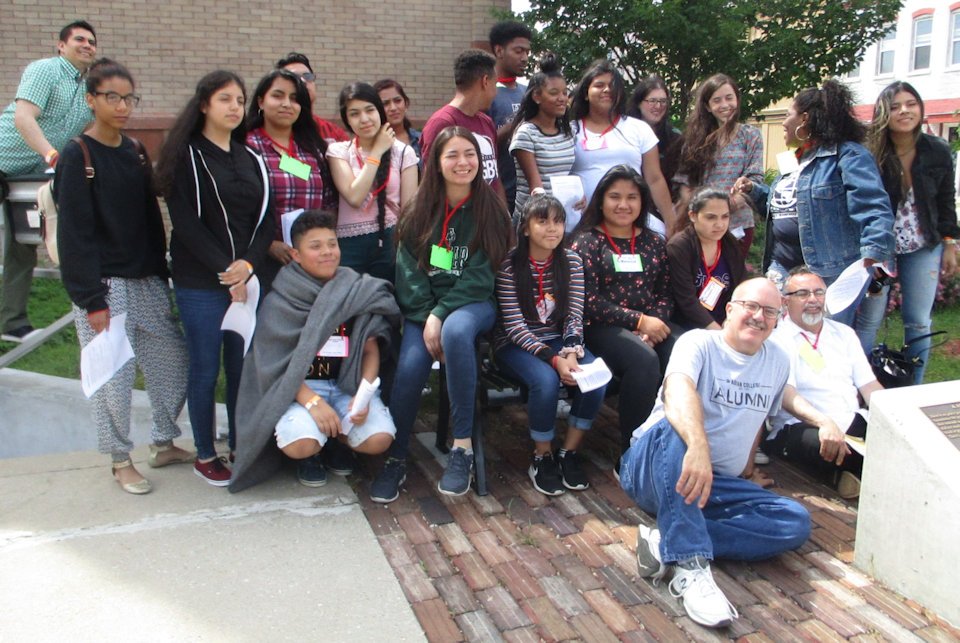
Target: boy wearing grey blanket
(320, 331)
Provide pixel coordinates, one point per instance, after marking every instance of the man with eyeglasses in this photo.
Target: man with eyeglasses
(829, 369)
(48, 110)
(300, 65)
(686, 461)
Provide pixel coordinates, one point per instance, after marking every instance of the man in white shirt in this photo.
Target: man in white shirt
(685, 462)
(829, 369)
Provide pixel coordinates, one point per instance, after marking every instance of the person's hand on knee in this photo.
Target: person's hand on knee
(326, 418)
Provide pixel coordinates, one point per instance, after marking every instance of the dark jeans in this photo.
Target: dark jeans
(201, 312)
(639, 367)
(365, 254)
(800, 443)
(19, 260)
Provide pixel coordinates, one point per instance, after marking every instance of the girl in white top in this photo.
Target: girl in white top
(376, 175)
(605, 137)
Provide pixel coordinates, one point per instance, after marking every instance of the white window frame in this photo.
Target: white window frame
(887, 45)
(921, 40)
(953, 52)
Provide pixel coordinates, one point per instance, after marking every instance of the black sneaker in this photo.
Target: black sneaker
(310, 472)
(20, 335)
(386, 487)
(573, 476)
(338, 458)
(545, 475)
(456, 479)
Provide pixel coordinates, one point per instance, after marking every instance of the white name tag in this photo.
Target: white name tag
(545, 307)
(738, 232)
(711, 293)
(336, 346)
(627, 263)
(592, 144)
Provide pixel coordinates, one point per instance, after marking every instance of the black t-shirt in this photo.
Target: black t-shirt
(786, 229)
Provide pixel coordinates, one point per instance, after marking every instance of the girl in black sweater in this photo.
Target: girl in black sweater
(112, 248)
(216, 192)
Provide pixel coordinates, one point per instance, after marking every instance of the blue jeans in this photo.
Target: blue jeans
(741, 520)
(364, 254)
(919, 276)
(778, 274)
(201, 312)
(542, 384)
(458, 337)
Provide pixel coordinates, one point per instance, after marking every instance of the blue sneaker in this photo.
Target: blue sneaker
(310, 472)
(386, 487)
(456, 479)
(338, 458)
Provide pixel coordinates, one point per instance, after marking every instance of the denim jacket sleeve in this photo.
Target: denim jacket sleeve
(867, 202)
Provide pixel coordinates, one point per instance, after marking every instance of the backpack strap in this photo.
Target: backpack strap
(87, 164)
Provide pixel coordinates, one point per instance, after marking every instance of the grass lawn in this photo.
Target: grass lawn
(60, 355)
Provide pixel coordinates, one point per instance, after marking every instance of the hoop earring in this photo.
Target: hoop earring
(796, 133)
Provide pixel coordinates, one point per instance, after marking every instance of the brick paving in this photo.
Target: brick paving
(518, 566)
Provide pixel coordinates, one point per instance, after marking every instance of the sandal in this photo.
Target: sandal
(137, 488)
(160, 456)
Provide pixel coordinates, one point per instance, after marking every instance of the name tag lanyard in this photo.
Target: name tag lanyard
(441, 255)
(540, 272)
(816, 340)
(709, 269)
(289, 162)
(616, 248)
(583, 128)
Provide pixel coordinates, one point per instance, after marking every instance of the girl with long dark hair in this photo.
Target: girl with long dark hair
(539, 340)
(282, 131)
(217, 192)
(917, 173)
(450, 238)
(113, 262)
(718, 149)
(376, 176)
(396, 103)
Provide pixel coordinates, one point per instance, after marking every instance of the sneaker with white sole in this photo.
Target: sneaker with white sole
(544, 472)
(458, 474)
(761, 458)
(649, 564)
(703, 601)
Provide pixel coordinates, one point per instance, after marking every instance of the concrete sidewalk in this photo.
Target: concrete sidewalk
(81, 560)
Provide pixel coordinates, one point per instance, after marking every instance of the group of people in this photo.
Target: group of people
(405, 247)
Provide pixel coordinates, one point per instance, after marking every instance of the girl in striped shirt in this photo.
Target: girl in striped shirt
(539, 340)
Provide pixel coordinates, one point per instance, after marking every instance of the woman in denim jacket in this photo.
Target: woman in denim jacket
(917, 171)
(829, 209)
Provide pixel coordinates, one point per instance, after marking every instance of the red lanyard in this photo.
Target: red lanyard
(446, 219)
(288, 150)
(803, 149)
(583, 128)
(616, 248)
(816, 341)
(709, 269)
(540, 272)
(383, 186)
(507, 80)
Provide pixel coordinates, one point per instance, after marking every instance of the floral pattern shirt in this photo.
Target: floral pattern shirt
(907, 228)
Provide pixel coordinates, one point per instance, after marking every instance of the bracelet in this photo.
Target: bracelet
(949, 241)
(51, 156)
(537, 191)
(373, 161)
(639, 321)
(553, 361)
(312, 402)
(249, 266)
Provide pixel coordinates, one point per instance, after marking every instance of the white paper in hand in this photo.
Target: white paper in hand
(286, 222)
(105, 355)
(567, 190)
(241, 317)
(844, 291)
(361, 400)
(593, 375)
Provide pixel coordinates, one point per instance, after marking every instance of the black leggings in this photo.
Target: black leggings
(801, 443)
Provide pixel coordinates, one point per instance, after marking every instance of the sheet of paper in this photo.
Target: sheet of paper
(592, 376)
(361, 400)
(856, 444)
(568, 190)
(286, 222)
(787, 162)
(844, 291)
(105, 355)
(241, 317)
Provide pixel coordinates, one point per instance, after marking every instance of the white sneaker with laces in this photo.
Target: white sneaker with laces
(649, 564)
(702, 599)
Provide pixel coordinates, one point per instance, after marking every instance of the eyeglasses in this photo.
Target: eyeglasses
(659, 102)
(113, 98)
(753, 307)
(307, 76)
(803, 293)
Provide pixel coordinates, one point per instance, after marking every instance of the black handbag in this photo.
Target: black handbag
(894, 368)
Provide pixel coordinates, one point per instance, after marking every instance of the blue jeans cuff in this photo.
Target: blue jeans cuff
(542, 436)
(579, 423)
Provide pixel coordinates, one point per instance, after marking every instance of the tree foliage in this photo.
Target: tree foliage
(773, 48)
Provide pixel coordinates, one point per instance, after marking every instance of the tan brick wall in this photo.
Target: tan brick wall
(169, 45)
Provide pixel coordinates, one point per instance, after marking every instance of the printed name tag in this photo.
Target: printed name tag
(711, 293)
(545, 307)
(627, 263)
(595, 143)
(738, 232)
(336, 346)
(441, 258)
(296, 167)
(812, 357)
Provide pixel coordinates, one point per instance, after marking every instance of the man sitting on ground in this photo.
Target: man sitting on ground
(685, 462)
(829, 368)
(320, 331)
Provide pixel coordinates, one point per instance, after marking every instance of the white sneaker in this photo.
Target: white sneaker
(761, 458)
(563, 409)
(702, 599)
(649, 564)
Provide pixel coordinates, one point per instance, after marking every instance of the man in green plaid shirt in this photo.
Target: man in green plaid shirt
(49, 109)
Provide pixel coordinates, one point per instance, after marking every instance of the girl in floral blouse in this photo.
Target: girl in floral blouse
(628, 299)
